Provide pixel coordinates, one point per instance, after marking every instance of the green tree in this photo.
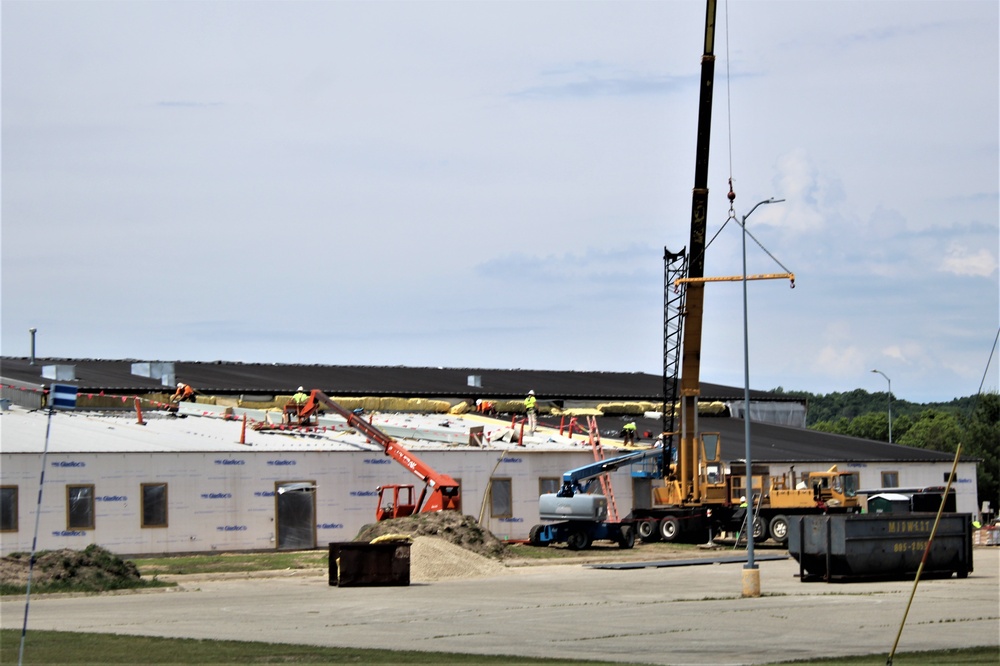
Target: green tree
(839, 427)
(934, 430)
(872, 425)
(900, 426)
(982, 440)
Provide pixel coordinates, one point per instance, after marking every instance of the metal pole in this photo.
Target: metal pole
(746, 403)
(32, 331)
(753, 589)
(34, 539)
(889, 400)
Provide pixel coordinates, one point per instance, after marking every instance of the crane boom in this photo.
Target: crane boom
(445, 493)
(695, 298)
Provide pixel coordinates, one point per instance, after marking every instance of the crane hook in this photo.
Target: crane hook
(732, 200)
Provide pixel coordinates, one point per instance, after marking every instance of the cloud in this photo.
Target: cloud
(597, 79)
(809, 193)
(834, 361)
(962, 260)
(908, 353)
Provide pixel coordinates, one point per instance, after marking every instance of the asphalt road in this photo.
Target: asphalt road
(676, 615)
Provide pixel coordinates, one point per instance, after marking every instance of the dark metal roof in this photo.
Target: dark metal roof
(353, 380)
(775, 444)
(770, 443)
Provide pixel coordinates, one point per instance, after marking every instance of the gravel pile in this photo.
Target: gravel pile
(434, 559)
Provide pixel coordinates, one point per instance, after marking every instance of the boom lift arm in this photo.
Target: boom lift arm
(573, 480)
(444, 492)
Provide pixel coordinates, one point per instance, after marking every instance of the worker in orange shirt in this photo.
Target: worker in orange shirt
(183, 393)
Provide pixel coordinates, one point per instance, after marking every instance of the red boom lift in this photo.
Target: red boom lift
(440, 491)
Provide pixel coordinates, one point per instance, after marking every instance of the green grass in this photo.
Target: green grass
(65, 647)
(963, 657)
(232, 562)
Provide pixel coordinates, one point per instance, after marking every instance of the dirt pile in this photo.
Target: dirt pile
(93, 568)
(450, 526)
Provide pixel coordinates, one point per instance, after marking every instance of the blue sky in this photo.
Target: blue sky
(492, 184)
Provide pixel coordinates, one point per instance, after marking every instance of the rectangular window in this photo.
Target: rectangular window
(154, 504)
(501, 504)
(548, 485)
(890, 479)
(80, 507)
(8, 508)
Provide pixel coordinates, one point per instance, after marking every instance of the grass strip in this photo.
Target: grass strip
(66, 647)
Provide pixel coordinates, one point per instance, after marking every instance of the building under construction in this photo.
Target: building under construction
(230, 471)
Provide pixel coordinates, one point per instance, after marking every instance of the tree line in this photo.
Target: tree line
(973, 421)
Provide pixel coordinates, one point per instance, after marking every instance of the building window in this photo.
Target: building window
(80, 507)
(890, 479)
(501, 505)
(154, 504)
(548, 485)
(8, 508)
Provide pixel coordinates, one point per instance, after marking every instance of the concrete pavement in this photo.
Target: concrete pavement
(682, 615)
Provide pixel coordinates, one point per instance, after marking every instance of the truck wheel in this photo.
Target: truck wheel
(646, 530)
(535, 536)
(578, 540)
(626, 539)
(670, 529)
(759, 530)
(779, 529)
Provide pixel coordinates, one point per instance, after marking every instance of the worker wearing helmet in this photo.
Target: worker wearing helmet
(183, 392)
(300, 397)
(531, 409)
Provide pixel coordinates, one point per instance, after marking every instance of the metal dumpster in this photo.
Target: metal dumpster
(854, 546)
(355, 564)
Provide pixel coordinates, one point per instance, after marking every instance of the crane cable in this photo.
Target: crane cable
(732, 194)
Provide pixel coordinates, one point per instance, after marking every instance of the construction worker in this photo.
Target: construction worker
(531, 409)
(628, 433)
(183, 392)
(301, 397)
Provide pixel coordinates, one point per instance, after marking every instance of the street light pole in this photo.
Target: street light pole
(890, 402)
(751, 576)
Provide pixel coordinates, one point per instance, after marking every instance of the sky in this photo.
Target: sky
(492, 185)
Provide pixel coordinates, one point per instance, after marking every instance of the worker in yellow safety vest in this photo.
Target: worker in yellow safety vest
(628, 432)
(531, 409)
(300, 397)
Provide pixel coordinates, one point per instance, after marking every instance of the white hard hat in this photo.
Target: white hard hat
(180, 384)
(531, 392)
(301, 389)
(743, 498)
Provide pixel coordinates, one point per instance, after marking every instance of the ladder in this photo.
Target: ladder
(605, 479)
